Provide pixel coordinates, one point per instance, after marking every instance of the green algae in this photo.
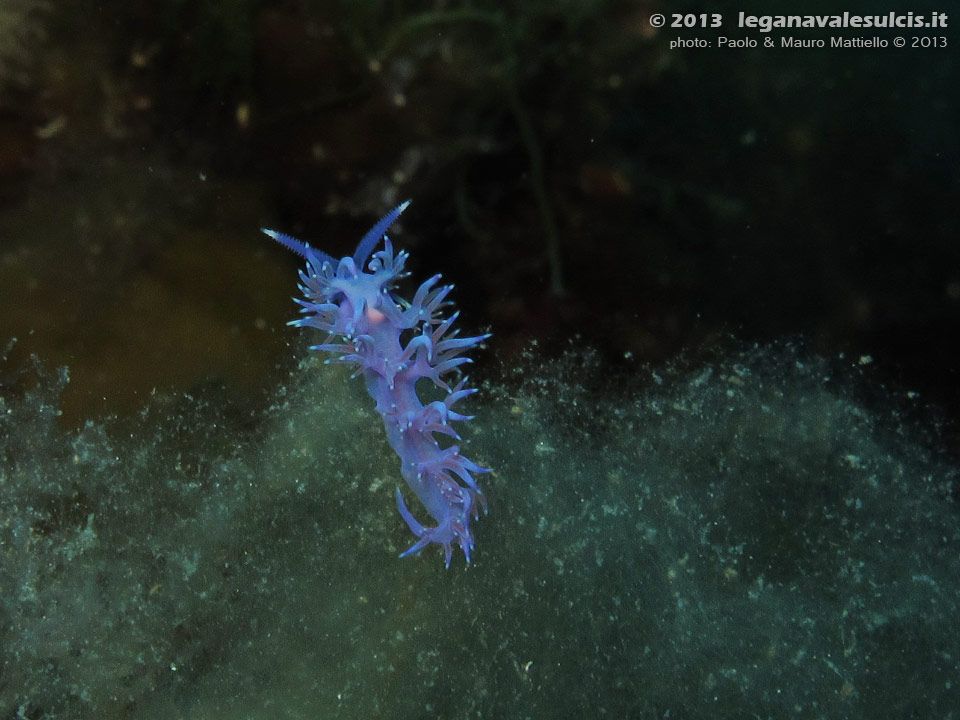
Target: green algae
(741, 538)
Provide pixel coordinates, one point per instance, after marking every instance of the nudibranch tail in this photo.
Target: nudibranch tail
(393, 343)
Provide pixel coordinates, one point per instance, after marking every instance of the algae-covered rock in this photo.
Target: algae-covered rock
(742, 538)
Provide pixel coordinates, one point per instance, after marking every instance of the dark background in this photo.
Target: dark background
(581, 183)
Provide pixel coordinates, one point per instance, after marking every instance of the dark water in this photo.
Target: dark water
(720, 400)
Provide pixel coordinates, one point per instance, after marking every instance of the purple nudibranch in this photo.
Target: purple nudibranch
(394, 343)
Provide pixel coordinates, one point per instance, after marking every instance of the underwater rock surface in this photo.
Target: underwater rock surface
(743, 539)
